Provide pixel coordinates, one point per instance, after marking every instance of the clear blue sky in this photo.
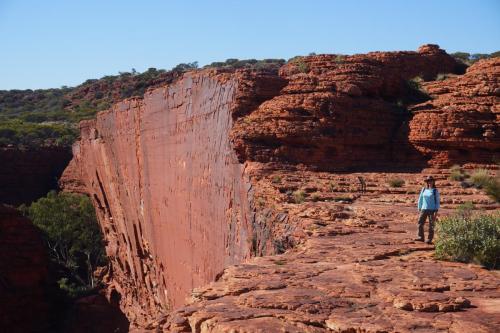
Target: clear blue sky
(50, 43)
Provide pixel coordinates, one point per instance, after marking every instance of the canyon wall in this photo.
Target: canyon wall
(342, 112)
(459, 124)
(24, 272)
(28, 174)
(175, 176)
(170, 194)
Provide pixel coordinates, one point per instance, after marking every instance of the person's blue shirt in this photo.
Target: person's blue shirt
(428, 199)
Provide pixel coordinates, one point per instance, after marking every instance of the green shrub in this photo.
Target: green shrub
(300, 64)
(456, 173)
(74, 241)
(299, 196)
(339, 59)
(19, 133)
(493, 189)
(470, 239)
(480, 178)
(466, 209)
(396, 182)
(315, 197)
(276, 179)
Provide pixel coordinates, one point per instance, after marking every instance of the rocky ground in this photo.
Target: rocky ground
(355, 266)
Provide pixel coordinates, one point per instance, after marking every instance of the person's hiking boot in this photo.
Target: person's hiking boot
(418, 239)
(429, 242)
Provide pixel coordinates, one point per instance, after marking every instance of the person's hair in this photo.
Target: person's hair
(433, 184)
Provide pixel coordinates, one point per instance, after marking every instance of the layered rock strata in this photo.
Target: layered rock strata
(341, 112)
(460, 122)
(175, 177)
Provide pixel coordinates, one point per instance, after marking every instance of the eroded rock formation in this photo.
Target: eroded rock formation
(176, 179)
(23, 274)
(340, 112)
(170, 194)
(355, 267)
(460, 123)
(28, 174)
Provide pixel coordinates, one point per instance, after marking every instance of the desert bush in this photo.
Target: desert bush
(465, 209)
(265, 64)
(480, 178)
(315, 197)
(276, 179)
(339, 59)
(74, 241)
(396, 182)
(470, 238)
(493, 189)
(300, 64)
(456, 173)
(21, 133)
(299, 196)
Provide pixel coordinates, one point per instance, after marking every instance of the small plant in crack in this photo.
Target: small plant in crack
(299, 196)
(276, 179)
(280, 262)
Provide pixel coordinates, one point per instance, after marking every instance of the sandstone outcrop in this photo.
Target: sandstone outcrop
(170, 194)
(23, 275)
(355, 267)
(341, 112)
(207, 172)
(28, 174)
(460, 123)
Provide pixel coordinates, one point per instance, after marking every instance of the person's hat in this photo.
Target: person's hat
(429, 179)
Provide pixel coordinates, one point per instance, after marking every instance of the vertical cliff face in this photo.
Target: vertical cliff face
(23, 274)
(174, 176)
(170, 194)
(27, 174)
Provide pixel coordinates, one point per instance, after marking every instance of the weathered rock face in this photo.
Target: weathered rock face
(23, 274)
(340, 112)
(170, 194)
(460, 123)
(356, 267)
(26, 175)
(176, 177)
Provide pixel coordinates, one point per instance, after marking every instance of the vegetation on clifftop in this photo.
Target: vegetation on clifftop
(50, 116)
(469, 59)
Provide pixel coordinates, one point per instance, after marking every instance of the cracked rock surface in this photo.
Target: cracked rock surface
(355, 268)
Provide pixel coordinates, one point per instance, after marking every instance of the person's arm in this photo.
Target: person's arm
(420, 200)
(437, 200)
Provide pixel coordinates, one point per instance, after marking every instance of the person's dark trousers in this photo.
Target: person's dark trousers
(424, 214)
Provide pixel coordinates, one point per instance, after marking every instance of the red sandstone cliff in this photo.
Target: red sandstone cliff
(340, 112)
(28, 174)
(23, 275)
(175, 176)
(460, 123)
(170, 194)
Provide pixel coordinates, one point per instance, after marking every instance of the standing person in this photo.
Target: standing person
(362, 184)
(428, 206)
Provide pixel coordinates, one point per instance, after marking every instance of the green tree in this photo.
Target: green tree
(71, 232)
